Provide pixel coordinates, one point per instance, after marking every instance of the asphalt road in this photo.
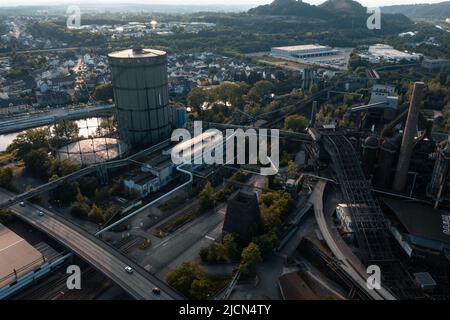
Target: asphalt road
(185, 243)
(97, 253)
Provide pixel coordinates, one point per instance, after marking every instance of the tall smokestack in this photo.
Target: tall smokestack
(409, 133)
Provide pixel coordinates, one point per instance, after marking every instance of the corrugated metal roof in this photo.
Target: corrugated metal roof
(16, 254)
(421, 220)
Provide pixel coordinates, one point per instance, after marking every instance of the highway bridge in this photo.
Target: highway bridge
(96, 252)
(53, 116)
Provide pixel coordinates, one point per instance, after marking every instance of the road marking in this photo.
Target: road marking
(210, 238)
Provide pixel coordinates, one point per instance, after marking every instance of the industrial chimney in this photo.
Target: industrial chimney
(409, 133)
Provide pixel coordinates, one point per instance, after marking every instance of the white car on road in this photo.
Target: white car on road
(129, 269)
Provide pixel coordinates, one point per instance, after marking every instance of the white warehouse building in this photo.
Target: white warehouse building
(388, 53)
(303, 51)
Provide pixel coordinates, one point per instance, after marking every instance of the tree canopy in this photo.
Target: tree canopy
(190, 279)
(296, 123)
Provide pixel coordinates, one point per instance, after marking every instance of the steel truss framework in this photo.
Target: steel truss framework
(369, 223)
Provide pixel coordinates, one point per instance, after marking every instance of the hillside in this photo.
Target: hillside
(338, 14)
(344, 7)
(291, 8)
(433, 11)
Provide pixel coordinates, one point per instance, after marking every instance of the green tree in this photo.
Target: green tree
(276, 205)
(66, 192)
(102, 194)
(80, 210)
(272, 106)
(88, 186)
(296, 93)
(103, 92)
(272, 219)
(31, 139)
(296, 123)
(206, 198)
(260, 90)
(240, 176)
(96, 214)
(107, 126)
(6, 177)
(6, 216)
(252, 107)
(111, 212)
(231, 246)
(217, 253)
(38, 163)
(231, 92)
(190, 279)
(292, 169)
(66, 129)
(200, 289)
(64, 167)
(266, 243)
(355, 61)
(250, 256)
(196, 98)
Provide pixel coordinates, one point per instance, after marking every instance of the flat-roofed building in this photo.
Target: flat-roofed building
(388, 53)
(17, 257)
(152, 176)
(304, 51)
(384, 94)
(424, 228)
(142, 182)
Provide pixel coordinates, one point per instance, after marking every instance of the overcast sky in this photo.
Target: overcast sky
(203, 2)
